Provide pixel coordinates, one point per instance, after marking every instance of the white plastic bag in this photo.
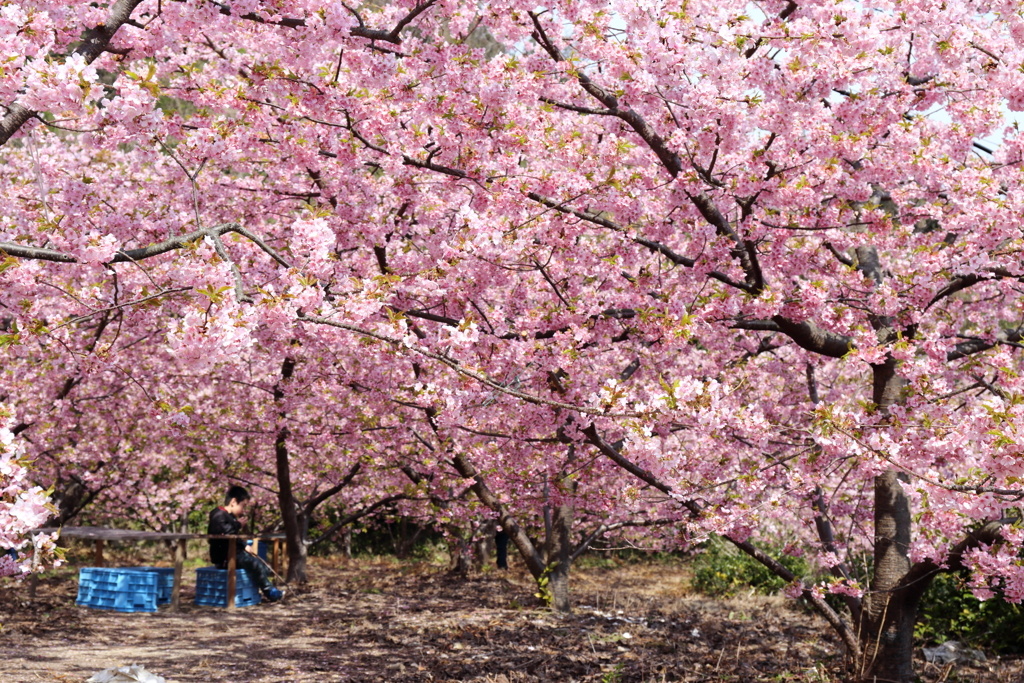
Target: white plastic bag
(126, 674)
(952, 651)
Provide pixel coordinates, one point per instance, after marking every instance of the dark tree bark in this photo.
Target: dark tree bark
(560, 560)
(560, 546)
(290, 513)
(887, 624)
(889, 612)
(70, 497)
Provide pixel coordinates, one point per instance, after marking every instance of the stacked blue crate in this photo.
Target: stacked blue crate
(119, 589)
(212, 588)
(164, 584)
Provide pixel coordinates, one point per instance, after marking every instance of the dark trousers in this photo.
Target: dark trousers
(258, 571)
(501, 545)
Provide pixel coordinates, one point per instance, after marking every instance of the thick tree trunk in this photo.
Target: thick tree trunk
(890, 610)
(887, 625)
(296, 544)
(560, 544)
(559, 541)
(293, 525)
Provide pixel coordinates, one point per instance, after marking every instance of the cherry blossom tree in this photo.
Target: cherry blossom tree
(759, 260)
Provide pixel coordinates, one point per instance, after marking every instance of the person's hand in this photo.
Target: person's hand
(251, 549)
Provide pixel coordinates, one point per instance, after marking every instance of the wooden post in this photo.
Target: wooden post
(232, 563)
(275, 557)
(98, 559)
(179, 561)
(33, 581)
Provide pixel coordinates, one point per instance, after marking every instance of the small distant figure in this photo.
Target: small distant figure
(224, 522)
(501, 545)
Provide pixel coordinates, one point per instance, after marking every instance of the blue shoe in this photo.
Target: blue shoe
(273, 595)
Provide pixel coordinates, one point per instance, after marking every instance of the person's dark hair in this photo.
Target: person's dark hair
(238, 493)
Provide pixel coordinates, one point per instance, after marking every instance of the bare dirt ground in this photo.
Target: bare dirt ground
(383, 621)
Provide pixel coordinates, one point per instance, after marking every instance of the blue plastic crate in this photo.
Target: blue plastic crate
(119, 589)
(165, 582)
(212, 588)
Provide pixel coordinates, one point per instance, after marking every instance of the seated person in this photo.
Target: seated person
(224, 522)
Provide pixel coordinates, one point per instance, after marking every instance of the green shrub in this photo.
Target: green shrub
(948, 611)
(722, 570)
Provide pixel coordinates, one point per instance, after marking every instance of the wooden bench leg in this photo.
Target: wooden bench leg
(98, 559)
(232, 563)
(275, 559)
(33, 581)
(179, 561)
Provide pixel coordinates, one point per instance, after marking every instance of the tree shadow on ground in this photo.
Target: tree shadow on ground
(364, 621)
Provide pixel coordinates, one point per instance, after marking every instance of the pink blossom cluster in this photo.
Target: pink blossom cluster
(23, 507)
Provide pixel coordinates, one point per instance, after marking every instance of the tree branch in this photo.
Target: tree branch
(394, 35)
(603, 222)
(313, 502)
(823, 608)
(756, 325)
(355, 516)
(579, 110)
(424, 315)
(141, 253)
(972, 346)
(669, 159)
(963, 282)
(828, 542)
(602, 529)
(116, 307)
(457, 367)
(923, 572)
(361, 31)
(287, 22)
(783, 15)
(222, 252)
(744, 250)
(35, 253)
(808, 335)
(95, 42)
(656, 247)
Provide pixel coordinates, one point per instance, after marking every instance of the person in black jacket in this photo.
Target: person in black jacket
(224, 522)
